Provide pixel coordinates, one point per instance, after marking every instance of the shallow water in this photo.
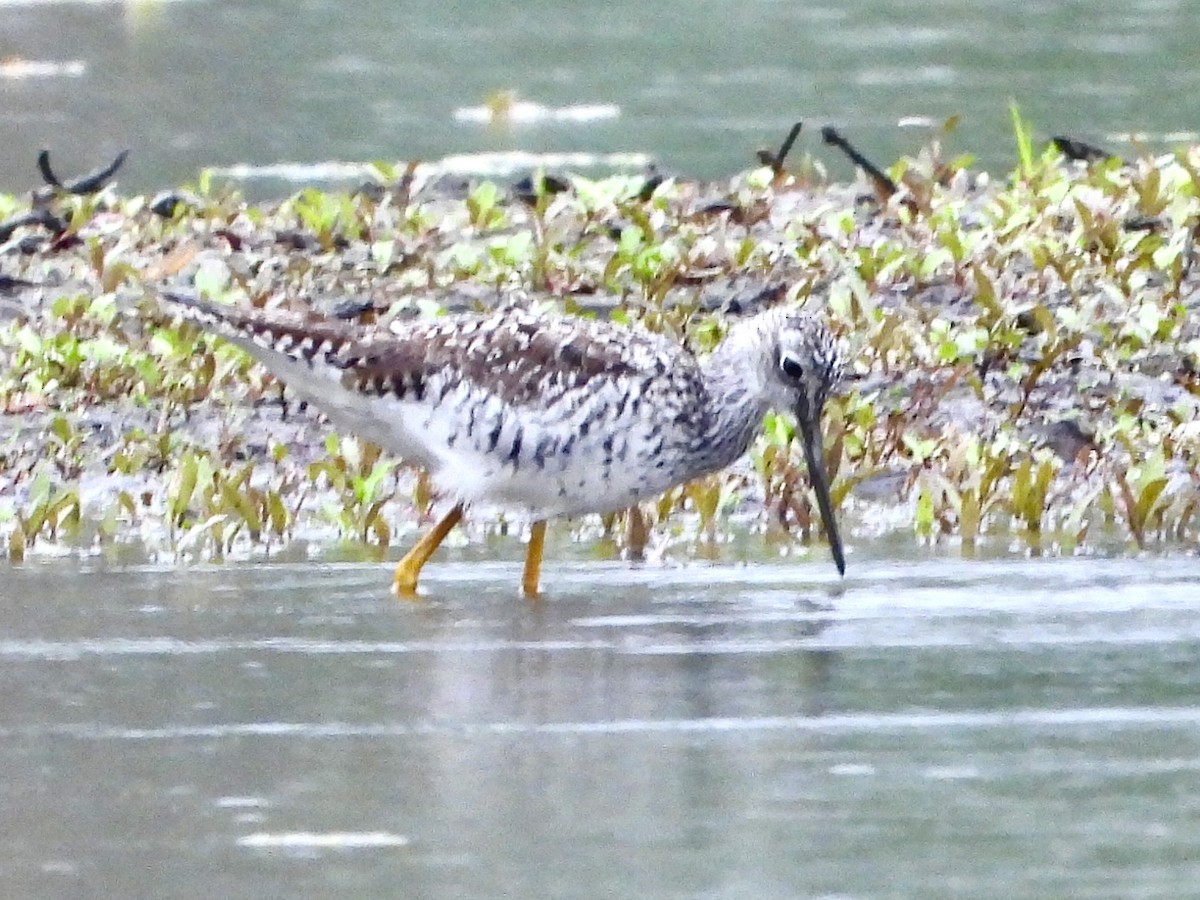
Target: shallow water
(696, 84)
(942, 729)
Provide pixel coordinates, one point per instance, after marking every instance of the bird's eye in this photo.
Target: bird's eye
(791, 367)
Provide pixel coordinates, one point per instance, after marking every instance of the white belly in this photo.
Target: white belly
(538, 461)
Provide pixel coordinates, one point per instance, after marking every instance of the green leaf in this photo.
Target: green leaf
(186, 487)
(1024, 141)
(1145, 502)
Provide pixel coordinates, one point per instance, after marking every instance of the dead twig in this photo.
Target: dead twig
(10, 285)
(36, 216)
(775, 160)
(85, 184)
(1080, 151)
(884, 186)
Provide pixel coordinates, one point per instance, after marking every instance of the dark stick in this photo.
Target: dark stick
(9, 285)
(87, 184)
(1080, 151)
(832, 136)
(775, 159)
(37, 216)
(786, 147)
(48, 176)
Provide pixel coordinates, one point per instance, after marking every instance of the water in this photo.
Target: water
(697, 84)
(947, 729)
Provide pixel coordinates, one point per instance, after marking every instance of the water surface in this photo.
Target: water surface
(943, 729)
(697, 84)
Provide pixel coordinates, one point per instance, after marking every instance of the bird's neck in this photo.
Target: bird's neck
(734, 381)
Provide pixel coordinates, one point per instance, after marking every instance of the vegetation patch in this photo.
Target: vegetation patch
(1024, 352)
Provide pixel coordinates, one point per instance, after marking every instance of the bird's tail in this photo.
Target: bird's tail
(271, 335)
(329, 362)
(224, 319)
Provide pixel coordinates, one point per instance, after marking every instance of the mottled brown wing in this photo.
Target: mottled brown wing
(516, 357)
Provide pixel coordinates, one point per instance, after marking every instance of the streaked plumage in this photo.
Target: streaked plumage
(559, 416)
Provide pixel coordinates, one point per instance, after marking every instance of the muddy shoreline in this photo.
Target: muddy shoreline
(1024, 351)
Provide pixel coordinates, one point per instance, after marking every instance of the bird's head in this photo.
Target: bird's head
(804, 367)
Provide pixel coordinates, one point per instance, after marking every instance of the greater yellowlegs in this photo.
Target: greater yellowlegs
(559, 416)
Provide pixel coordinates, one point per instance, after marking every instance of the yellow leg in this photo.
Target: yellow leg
(637, 535)
(533, 559)
(404, 582)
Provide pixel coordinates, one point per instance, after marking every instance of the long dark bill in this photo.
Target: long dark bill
(814, 455)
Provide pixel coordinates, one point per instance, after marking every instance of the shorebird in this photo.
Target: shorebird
(559, 416)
